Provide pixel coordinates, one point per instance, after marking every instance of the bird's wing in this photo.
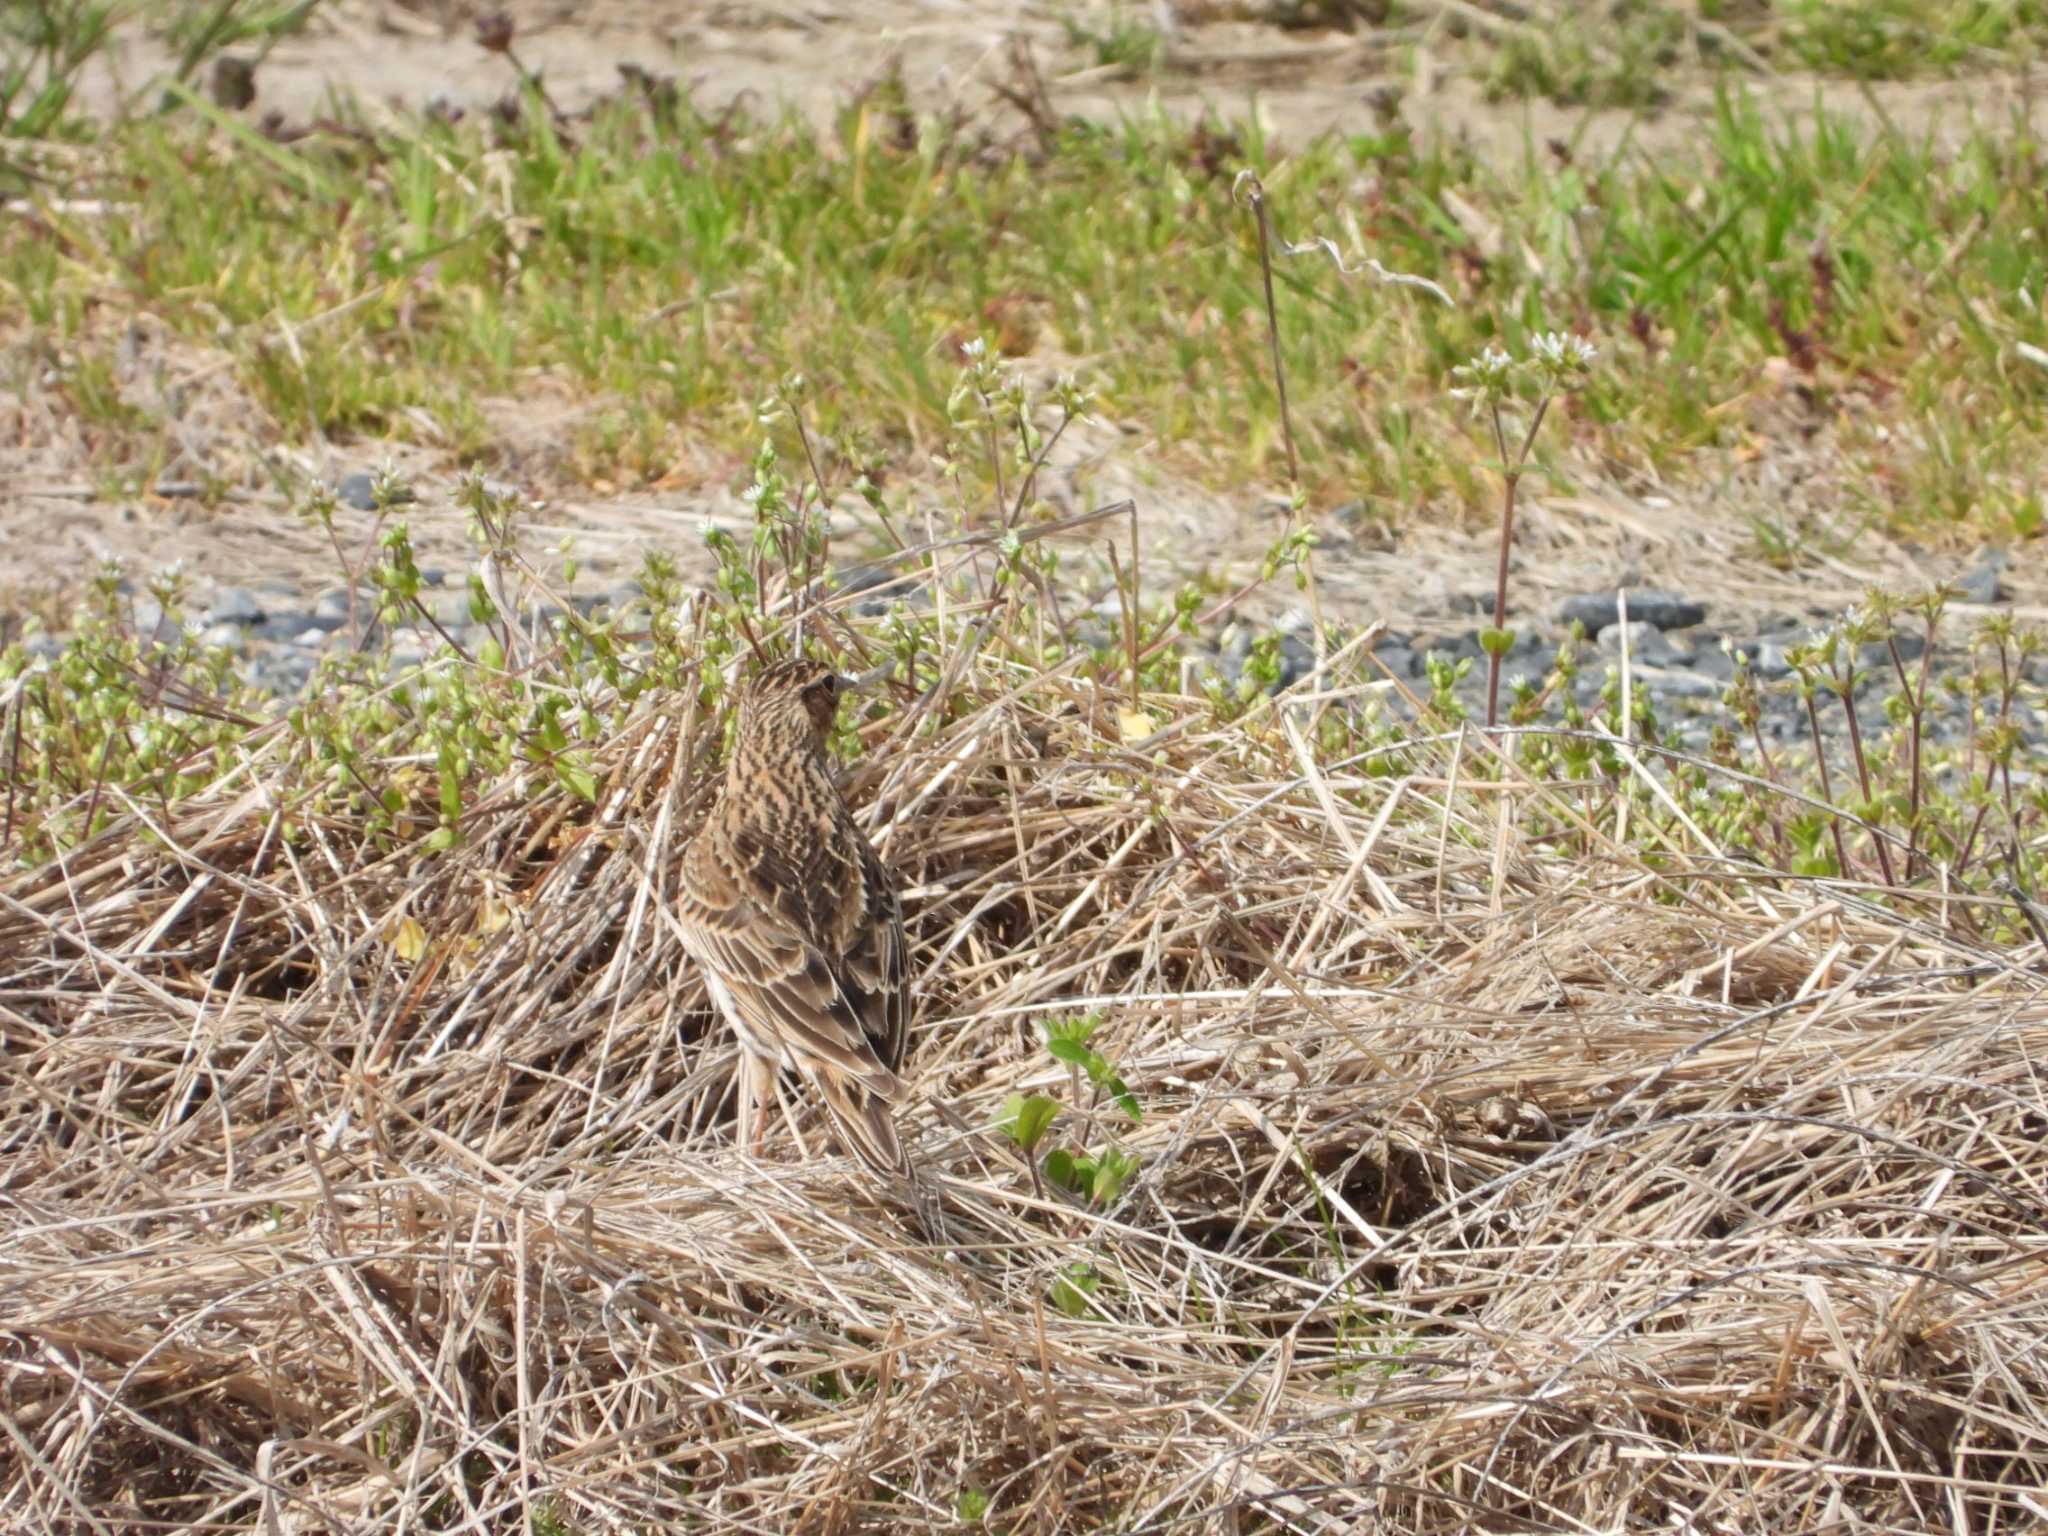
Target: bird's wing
(832, 1001)
(875, 958)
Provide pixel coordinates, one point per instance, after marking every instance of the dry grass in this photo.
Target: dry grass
(1489, 1181)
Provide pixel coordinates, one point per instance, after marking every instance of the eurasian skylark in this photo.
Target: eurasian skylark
(795, 921)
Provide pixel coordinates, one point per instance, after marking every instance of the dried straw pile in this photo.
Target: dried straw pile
(1487, 1183)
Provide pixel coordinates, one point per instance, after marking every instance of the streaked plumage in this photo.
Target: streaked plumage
(795, 921)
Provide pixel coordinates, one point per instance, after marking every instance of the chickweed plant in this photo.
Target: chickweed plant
(1100, 1169)
(1557, 363)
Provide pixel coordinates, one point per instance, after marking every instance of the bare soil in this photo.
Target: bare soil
(57, 521)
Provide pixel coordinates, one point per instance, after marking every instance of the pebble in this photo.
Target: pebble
(228, 635)
(235, 605)
(1682, 686)
(283, 672)
(1297, 657)
(1877, 656)
(1981, 584)
(1767, 660)
(1646, 643)
(879, 589)
(147, 618)
(451, 609)
(281, 636)
(330, 609)
(1399, 658)
(1646, 605)
(359, 490)
(1452, 648)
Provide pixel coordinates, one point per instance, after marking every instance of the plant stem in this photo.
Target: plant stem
(1500, 598)
(1511, 479)
(1917, 697)
(1848, 693)
(1030, 484)
(1255, 194)
(1827, 790)
(14, 764)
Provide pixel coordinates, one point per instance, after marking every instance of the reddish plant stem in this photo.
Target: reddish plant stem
(1848, 695)
(1511, 476)
(1500, 598)
(1827, 789)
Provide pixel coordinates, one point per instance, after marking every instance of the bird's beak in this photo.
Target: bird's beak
(857, 682)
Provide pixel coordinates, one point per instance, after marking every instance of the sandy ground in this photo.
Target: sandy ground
(57, 522)
(811, 54)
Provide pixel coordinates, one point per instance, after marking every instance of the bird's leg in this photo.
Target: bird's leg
(757, 1088)
(803, 1148)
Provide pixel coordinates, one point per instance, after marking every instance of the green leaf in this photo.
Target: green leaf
(441, 839)
(576, 777)
(1025, 1120)
(1496, 642)
(1070, 1292)
(1113, 1170)
(1064, 1170)
(552, 737)
(971, 1507)
(1074, 1051)
(1126, 1100)
(1075, 1030)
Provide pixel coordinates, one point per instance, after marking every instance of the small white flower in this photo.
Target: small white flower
(975, 349)
(1486, 377)
(1489, 367)
(1561, 354)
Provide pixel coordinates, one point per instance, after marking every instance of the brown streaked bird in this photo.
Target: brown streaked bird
(795, 923)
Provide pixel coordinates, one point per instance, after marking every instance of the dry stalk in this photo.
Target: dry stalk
(1481, 1188)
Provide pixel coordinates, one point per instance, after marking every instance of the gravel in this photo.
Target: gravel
(1646, 605)
(235, 605)
(359, 490)
(1982, 583)
(1680, 666)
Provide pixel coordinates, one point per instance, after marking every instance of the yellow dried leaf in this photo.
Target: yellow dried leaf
(492, 915)
(1135, 724)
(409, 939)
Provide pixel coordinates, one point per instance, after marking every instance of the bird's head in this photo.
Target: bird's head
(789, 706)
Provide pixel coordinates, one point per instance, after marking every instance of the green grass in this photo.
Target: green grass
(671, 268)
(46, 45)
(1632, 53)
(1122, 37)
(1899, 39)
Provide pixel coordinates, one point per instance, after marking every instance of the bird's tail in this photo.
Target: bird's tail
(868, 1126)
(866, 1123)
